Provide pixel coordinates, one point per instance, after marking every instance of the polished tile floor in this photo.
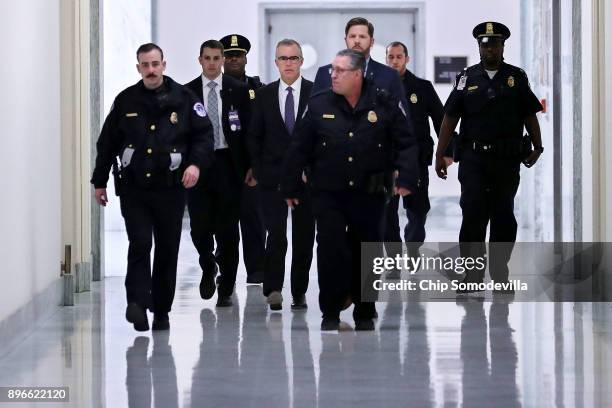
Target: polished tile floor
(462, 354)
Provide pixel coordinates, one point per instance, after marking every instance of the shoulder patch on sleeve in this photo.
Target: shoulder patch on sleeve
(199, 109)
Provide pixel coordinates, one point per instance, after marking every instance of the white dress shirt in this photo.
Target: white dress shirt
(282, 96)
(220, 142)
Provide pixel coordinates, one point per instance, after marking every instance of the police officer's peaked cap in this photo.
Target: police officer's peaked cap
(236, 42)
(490, 29)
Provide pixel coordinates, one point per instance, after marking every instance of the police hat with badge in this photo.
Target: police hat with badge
(235, 43)
(490, 31)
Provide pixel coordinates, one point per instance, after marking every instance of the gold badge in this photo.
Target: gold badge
(131, 115)
(173, 118)
(414, 98)
(489, 28)
(251, 94)
(510, 81)
(372, 118)
(329, 116)
(234, 41)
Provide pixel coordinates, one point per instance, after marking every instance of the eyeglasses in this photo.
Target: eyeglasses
(340, 71)
(293, 58)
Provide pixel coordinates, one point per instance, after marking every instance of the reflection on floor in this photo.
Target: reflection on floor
(468, 353)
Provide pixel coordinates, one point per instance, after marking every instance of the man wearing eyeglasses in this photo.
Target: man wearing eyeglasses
(277, 111)
(354, 137)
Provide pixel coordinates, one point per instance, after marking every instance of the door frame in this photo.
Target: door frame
(416, 7)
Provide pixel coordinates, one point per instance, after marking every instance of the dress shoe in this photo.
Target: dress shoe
(299, 303)
(137, 315)
(330, 323)
(364, 324)
(161, 321)
(207, 285)
(275, 300)
(224, 301)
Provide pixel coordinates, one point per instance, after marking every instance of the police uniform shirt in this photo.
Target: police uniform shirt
(282, 95)
(220, 142)
(492, 108)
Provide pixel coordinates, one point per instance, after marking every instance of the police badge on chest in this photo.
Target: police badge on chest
(234, 120)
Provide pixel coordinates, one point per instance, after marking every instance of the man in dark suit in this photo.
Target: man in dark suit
(214, 205)
(279, 107)
(235, 50)
(359, 36)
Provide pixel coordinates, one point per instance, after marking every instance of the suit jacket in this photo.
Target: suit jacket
(268, 138)
(234, 96)
(383, 76)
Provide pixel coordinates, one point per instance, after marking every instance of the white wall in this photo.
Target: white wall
(183, 26)
(126, 25)
(30, 135)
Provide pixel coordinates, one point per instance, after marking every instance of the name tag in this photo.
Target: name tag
(234, 120)
(131, 115)
(328, 116)
(472, 88)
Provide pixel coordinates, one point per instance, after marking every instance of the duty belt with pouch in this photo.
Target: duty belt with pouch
(504, 148)
(118, 178)
(379, 183)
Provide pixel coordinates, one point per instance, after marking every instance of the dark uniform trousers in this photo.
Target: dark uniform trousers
(302, 241)
(214, 211)
(158, 214)
(417, 206)
(340, 215)
(488, 187)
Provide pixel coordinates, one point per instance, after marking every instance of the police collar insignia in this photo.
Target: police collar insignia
(510, 81)
(173, 118)
(199, 109)
(372, 118)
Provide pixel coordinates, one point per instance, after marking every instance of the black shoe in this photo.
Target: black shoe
(364, 324)
(224, 301)
(330, 323)
(137, 315)
(161, 321)
(207, 285)
(255, 279)
(299, 303)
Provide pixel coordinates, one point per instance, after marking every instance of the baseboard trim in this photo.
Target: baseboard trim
(22, 322)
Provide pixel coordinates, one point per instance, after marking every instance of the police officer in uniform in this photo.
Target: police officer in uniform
(423, 103)
(159, 131)
(236, 47)
(494, 102)
(353, 137)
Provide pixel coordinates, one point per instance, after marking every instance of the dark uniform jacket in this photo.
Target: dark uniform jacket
(491, 110)
(268, 138)
(423, 103)
(150, 126)
(347, 148)
(235, 96)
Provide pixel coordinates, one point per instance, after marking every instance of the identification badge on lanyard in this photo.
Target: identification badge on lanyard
(234, 120)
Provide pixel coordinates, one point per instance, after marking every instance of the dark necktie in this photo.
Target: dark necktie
(289, 111)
